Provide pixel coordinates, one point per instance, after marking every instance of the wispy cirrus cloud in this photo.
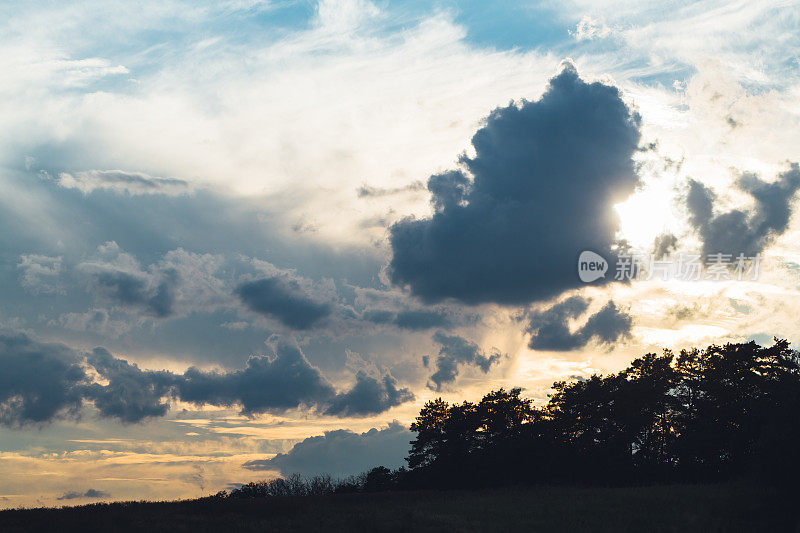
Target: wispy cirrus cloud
(121, 181)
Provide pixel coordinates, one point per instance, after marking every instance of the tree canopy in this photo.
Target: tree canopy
(709, 414)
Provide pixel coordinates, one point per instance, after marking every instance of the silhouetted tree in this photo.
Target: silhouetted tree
(379, 479)
(431, 439)
(705, 415)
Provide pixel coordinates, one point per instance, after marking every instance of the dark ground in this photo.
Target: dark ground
(679, 508)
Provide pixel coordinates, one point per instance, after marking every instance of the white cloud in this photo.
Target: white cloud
(589, 29)
(310, 116)
(121, 181)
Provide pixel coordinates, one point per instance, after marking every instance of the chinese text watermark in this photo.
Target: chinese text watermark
(683, 267)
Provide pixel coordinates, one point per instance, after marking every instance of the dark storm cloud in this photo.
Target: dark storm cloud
(369, 396)
(41, 382)
(448, 189)
(413, 319)
(38, 381)
(342, 452)
(282, 298)
(282, 382)
(91, 493)
(544, 179)
(287, 381)
(131, 394)
(608, 325)
(746, 231)
(550, 329)
(132, 290)
(456, 351)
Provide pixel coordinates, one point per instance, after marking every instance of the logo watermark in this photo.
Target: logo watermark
(591, 266)
(683, 267)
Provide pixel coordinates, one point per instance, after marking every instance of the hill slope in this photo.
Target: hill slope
(706, 508)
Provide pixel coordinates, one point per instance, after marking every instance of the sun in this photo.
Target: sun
(646, 214)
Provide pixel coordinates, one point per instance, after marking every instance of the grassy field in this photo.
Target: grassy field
(679, 508)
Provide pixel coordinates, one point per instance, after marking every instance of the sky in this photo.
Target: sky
(243, 238)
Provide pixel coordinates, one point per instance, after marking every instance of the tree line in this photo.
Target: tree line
(717, 414)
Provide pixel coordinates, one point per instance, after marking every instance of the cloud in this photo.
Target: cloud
(117, 276)
(120, 181)
(550, 328)
(589, 29)
(744, 231)
(95, 320)
(367, 191)
(282, 298)
(281, 382)
(411, 319)
(664, 244)
(457, 351)
(420, 319)
(342, 452)
(41, 382)
(40, 273)
(130, 290)
(545, 176)
(131, 394)
(608, 325)
(91, 493)
(163, 120)
(178, 284)
(288, 381)
(38, 381)
(369, 396)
